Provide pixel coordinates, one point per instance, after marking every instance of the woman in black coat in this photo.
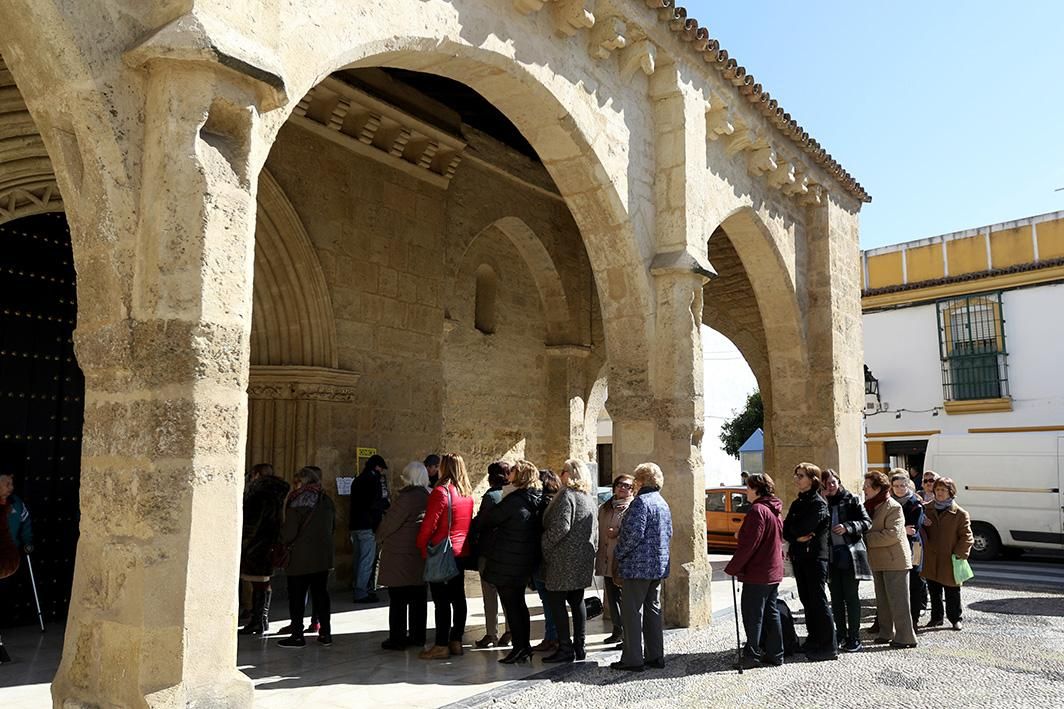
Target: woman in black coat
(806, 529)
(514, 527)
(848, 565)
(263, 513)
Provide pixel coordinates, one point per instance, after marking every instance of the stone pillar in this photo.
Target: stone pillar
(835, 338)
(152, 619)
(679, 417)
(566, 384)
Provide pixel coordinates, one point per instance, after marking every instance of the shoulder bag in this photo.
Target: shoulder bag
(281, 553)
(440, 564)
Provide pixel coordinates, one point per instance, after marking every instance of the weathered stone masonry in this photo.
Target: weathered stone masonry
(271, 262)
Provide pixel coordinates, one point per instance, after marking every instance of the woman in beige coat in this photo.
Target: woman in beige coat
(890, 559)
(948, 530)
(610, 516)
(402, 569)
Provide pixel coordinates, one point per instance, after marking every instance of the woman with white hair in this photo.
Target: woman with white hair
(570, 539)
(402, 569)
(642, 562)
(307, 533)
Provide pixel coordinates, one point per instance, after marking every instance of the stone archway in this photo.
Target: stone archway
(294, 377)
(754, 303)
(572, 149)
(556, 310)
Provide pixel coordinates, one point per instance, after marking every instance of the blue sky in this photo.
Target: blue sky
(951, 115)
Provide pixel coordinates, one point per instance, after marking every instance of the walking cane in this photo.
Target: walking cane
(36, 598)
(738, 642)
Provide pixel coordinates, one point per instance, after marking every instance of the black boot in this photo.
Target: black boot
(267, 596)
(4, 657)
(259, 602)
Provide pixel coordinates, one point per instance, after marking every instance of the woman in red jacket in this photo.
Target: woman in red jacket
(758, 563)
(452, 492)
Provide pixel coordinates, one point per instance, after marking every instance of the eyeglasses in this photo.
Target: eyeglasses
(928, 480)
(625, 486)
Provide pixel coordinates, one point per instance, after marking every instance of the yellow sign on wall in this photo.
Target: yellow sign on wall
(361, 456)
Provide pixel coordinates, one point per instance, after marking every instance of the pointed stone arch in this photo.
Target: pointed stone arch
(537, 259)
(292, 320)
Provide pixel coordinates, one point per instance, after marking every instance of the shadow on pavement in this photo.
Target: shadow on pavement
(1053, 606)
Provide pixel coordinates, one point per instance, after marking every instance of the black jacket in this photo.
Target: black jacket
(852, 515)
(369, 500)
(479, 544)
(510, 535)
(263, 514)
(808, 515)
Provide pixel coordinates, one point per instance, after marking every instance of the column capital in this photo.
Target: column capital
(197, 39)
(683, 262)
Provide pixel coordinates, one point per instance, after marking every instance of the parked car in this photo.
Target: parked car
(726, 508)
(1010, 483)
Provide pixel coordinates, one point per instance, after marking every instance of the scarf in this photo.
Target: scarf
(904, 498)
(873, 503)
(622, 504)
(944, 505)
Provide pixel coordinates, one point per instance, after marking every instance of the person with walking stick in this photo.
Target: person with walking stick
(16, 536)
(758, 564)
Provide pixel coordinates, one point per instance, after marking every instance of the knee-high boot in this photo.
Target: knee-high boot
(260, 608)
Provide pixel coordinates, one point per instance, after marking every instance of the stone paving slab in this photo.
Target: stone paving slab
(1010, 654)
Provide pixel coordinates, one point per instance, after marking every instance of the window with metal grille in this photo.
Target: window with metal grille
(971, 342)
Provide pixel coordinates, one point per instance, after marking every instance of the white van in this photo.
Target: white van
(1010, 483)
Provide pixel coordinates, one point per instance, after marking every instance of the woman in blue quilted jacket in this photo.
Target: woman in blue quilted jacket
(642, 562)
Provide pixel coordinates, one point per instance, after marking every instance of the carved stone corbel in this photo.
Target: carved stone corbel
(761, 160)
(640, 54)
(527, 7)
(571, 16)
(719, 121)
(607, 36)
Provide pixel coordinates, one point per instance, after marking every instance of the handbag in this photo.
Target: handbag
(593, 604)
(962, 570)
(918, 553)
(440, 564)
(281, 553)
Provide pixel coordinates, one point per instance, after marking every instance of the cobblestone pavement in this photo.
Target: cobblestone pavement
(1009, 654)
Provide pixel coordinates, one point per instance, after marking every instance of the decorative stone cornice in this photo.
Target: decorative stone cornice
(27, 199)
(197, 38)
(27, 179)
(366, 125)
(288, 382)
(636, 51)
(698, 41)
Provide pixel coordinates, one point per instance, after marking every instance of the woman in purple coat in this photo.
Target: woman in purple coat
(758, 563)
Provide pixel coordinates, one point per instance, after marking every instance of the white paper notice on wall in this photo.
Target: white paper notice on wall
(343, 486)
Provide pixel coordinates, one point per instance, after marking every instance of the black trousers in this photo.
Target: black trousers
(810, 575)
(917, 594)
(953, 601)
(575, 599)
(761, 619)
(517, 618)
(446, 597)
(317, 584)
(408, 603)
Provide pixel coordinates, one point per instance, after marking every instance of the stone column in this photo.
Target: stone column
(152, 619)
(566, 384)
(679, 418)
(835, 337)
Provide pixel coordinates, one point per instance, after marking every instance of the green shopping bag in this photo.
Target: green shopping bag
(962, 570)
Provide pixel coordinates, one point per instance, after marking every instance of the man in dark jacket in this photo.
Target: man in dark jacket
(263, 512)
(806, 529)
(369, 500)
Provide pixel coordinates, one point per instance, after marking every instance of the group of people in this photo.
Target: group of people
(534, 530)
(907, 543)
